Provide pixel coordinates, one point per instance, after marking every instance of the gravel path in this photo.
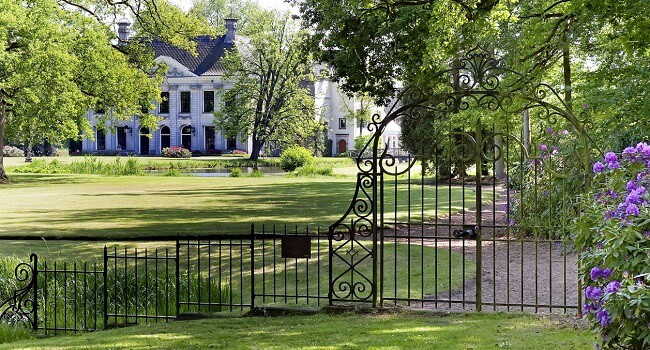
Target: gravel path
(514, 271)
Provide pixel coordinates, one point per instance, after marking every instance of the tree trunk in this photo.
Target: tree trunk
(566, 63)
(257, 148)
(526, 127)
(3, 174)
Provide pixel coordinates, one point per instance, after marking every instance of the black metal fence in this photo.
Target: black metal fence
(220, 273)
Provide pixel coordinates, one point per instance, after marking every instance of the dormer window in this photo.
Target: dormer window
(185, 101)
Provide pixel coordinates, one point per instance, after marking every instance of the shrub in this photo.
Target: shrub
(236, 172)
(172, 172)
(613, 235)
(539, 197)
(361, 141)
(40, 166)
(313, 170)
(11, 151)
(295, 157)
(176, 152)
(256, 173)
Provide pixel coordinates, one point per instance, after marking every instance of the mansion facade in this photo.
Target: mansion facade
(189, 98)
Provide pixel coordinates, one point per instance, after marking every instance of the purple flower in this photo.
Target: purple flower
(633, 198)
(598, 167)
(549, 130)
(590, 307)
(595, 273)
(631, 185)
(606, 272)
(593, 293)
(543, 147)
(632, 209)
(629, 153)
(565, 132)
(611, 157)
(585, 106)
(614, 165)
(603, 316)
(613, 287)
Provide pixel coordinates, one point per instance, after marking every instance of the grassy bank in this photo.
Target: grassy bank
(384, 331)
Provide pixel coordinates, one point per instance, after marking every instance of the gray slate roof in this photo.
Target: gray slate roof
(208, 60)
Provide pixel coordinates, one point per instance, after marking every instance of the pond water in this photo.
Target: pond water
(223, 172)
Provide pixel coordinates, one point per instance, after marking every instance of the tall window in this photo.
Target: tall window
(101, 140)
(121, 138)
(231, 143)
(209, 138)
(342, 123)
(186, 137)
(164, 103)
(165, 138)
(208, 101)
(185, 101)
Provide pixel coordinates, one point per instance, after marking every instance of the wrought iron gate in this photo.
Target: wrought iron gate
(474, 214)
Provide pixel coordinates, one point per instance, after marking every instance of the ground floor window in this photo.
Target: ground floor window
(165, 138)
(209, 138)
(231, 143)
(121, 138)
(100, 139)
(144, 141)
(186, 137)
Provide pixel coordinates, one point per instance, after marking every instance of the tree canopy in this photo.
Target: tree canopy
(594, 52)
(269, 100)
(58, 59)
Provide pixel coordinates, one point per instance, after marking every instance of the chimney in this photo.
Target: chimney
(123, 30)
(231, 30)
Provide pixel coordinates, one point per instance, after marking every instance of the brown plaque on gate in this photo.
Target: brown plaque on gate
(296, 247)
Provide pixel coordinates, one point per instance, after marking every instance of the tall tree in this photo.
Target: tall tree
(58, 58)
(216, 11)
(269, 100)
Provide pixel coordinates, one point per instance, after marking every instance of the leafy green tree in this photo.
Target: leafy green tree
(216, 11)
(60, 58)
(269, 99)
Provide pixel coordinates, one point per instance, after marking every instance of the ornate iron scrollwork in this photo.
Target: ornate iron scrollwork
(22, 304)
(475, 80)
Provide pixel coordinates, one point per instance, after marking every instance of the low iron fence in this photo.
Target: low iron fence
(275, 266)
(220, 273)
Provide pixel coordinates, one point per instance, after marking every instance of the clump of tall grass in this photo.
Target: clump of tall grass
(11, 332)
(92, 165)
(312, 171)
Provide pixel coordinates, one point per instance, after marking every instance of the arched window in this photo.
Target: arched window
(186, 137)
(165, 138)
(144, 141)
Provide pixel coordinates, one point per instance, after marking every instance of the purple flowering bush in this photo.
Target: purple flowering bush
(544, 186)
(613, 235)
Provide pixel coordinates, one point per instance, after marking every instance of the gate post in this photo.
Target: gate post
(479, 212)
(253, 266)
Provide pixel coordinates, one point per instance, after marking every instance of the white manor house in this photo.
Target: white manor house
(189, 98)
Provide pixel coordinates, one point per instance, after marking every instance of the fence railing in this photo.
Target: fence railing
(218, 273)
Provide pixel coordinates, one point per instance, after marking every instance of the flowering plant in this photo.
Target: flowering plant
(176, 152)
(613, 235)
(541, 202)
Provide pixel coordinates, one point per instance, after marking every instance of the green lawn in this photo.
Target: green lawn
(382, 331)
(138, 206)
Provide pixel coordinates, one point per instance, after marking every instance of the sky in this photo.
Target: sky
(269, 4)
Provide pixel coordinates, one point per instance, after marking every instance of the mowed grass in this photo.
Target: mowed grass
(380, 331)
(141, 206)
